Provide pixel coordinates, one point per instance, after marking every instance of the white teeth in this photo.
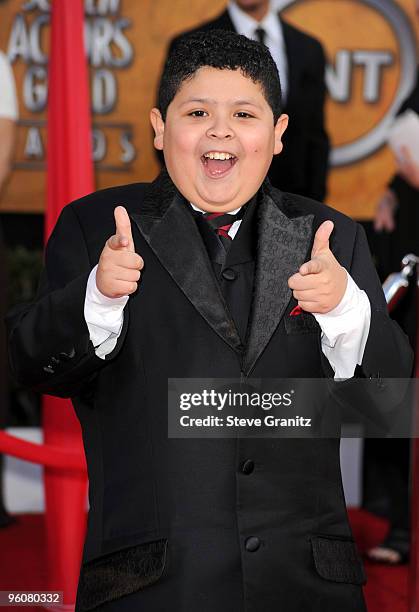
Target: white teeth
(217, 155)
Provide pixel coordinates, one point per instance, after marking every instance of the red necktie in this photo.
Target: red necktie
(221, 223)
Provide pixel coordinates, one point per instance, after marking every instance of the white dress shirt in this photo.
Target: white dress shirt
(274, 40)
(344, 329)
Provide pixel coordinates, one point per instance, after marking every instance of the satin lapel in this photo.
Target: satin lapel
(283, 245)
(172, 234)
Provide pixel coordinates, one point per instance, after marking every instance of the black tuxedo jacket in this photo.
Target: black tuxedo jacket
(302, 166)
(170, 519)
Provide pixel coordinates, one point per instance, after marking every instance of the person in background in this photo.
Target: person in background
(397, 212)
(302, 167)
(8, 117)
(397, 219)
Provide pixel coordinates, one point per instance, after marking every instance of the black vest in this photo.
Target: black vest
(236, 274)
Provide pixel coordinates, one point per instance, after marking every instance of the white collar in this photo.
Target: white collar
(230, 212)
(246, 25)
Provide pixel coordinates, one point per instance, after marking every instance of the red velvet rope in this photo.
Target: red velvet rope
(50, 456)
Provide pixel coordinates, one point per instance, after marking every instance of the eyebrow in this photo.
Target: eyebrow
(240, 102)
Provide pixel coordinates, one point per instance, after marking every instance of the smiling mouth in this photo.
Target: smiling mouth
(218, 164)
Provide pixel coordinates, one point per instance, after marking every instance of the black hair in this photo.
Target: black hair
(225, 50)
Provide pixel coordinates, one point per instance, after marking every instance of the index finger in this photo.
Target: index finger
(314, 266)
(298, 282)
(123, 228)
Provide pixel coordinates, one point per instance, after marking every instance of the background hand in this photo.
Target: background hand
(384, 212)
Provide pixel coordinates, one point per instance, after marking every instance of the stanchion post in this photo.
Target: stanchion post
(65, 502)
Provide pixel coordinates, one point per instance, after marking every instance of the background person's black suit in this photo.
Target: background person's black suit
(405, 237)
(170, 519)
(387, 462)
(302, 166)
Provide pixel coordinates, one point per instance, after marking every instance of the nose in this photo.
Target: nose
(220, 128)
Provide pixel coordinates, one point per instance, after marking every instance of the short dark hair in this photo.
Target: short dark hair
(224, 50)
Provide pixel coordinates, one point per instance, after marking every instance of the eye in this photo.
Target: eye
(197, 113)
(244, 115)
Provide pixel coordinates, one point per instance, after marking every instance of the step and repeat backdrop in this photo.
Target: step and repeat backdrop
(371, 53)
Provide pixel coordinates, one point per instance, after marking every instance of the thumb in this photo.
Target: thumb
(123, 234)
(321, 238)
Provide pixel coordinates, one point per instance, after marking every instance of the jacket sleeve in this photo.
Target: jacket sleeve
(376, 403)
(49, 344)
(318, 140)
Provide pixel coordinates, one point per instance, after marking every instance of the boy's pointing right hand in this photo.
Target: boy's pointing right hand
(119, 265)
(320, 284)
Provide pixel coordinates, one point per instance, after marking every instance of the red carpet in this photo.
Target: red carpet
(22, 564)
(386, 589)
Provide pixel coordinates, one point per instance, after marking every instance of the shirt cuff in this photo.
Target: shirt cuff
(104, 316)
(345, 330)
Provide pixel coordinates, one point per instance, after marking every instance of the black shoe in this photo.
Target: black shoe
(6, 519)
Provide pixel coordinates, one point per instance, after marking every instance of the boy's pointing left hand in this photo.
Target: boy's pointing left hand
(320, 283)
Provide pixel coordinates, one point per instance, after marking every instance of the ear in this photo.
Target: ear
(158, 126)
(281, 126)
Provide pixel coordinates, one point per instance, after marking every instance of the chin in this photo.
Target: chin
(218, 197)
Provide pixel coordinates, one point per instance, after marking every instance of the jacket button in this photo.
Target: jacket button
(66, 356)
(248, 466)
(380, 384)
(229, 274)
(252, 544)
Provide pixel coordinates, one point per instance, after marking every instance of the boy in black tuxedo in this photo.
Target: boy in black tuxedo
(166, 286)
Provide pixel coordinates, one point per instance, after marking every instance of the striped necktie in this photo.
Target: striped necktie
(221, 223)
